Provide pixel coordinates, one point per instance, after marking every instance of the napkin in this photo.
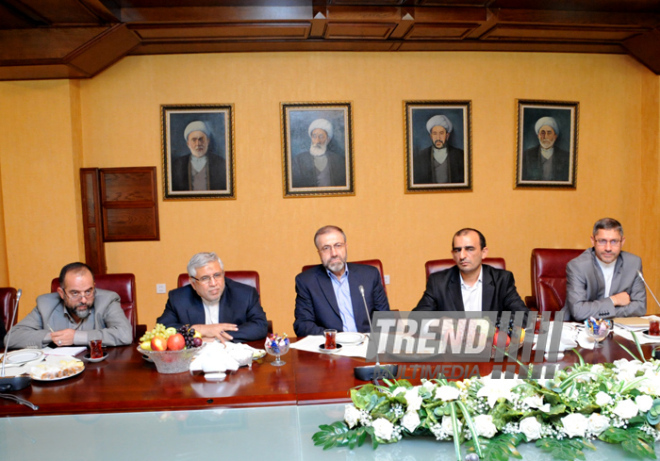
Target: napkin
(64, 351)
(569, 337)
(216, 357)
(311, 343)
(642, 338)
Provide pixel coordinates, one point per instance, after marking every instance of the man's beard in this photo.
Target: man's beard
(336, 266)
(81, 314)
(547, 144)
(318, 149)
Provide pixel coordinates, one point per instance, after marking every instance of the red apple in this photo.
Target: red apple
(508, 340)
(176, 342)
(158, 343)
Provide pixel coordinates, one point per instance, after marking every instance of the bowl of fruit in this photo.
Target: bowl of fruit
(170, 349)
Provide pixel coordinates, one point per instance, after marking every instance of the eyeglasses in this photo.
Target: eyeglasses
(328, 248)
(77, 295)
(604, 242)
(207, 278)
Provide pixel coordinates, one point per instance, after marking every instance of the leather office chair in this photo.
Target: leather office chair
(250, 278)
(367, 262)
(123, 285)
(549, 278)
(7, 301)
(437, 265)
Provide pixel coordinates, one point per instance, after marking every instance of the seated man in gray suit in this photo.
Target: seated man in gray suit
(328, 296)
(603, 282)
(471, 285)
(74, 315)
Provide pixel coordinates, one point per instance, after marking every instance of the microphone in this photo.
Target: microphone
(15, 383)
(373, 372)
(647, 286)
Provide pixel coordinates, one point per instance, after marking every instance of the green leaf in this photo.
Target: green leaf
(566, 449)
(500, 448)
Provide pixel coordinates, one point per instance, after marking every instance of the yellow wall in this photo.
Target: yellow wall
(113, 120)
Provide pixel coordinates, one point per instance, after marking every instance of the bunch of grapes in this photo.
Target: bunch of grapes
(158, 330)
(189, 335)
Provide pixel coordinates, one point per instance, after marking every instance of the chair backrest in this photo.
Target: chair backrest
(123, 285)
(367, 262)
(437, 265)
(549, 277)
(7, 301)
(250, 278)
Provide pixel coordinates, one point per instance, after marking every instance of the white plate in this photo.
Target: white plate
(349, 339)
(56, 379)
(24, 356)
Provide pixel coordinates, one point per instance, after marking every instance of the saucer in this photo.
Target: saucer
(329, 351)
(86, 358)
(646, 334)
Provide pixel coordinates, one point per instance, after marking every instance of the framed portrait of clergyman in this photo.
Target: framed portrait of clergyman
(317, 152)
(438, 145)
(547, 144)
(198, 151)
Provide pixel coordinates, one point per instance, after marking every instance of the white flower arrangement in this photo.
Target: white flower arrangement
(616, 403)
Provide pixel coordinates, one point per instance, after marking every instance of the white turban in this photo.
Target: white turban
(546, 121)
(439, 120)
(196, 126)
(322, 124)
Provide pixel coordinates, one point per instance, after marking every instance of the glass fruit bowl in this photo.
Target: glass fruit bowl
(171, 361)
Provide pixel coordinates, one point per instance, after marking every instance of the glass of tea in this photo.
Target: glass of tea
(654, 326)
(96, 349)
(330, 339)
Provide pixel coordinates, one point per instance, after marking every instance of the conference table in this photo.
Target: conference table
(123, 395)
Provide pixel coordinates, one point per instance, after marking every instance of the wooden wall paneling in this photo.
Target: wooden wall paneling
(92, 222)
(129, 204)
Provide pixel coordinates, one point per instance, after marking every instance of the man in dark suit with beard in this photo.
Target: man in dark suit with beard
(440, 163)
(471, 286)
(328, 295)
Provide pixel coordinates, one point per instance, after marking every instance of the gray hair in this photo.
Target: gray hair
(201, 260)
(327, 230)
(607, 224)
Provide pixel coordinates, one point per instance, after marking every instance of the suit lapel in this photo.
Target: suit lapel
(197, 315)
(455, 290)
(487, 289)
(616, 277)
(600, 279)
(356, 298)
(326, 288)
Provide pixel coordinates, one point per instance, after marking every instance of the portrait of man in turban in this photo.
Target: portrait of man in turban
(547, 143)
(438, 145)
(198, 152)
(317, 158)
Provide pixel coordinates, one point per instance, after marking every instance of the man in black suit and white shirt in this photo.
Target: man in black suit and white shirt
(471, 285)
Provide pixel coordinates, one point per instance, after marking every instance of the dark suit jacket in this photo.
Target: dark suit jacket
(533, 168)
(239, 304)
(423, 165)
(303, 171)
(443, 292)
(316, 303)
(181, 172)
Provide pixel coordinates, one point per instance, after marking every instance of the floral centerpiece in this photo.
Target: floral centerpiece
(617, 403)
